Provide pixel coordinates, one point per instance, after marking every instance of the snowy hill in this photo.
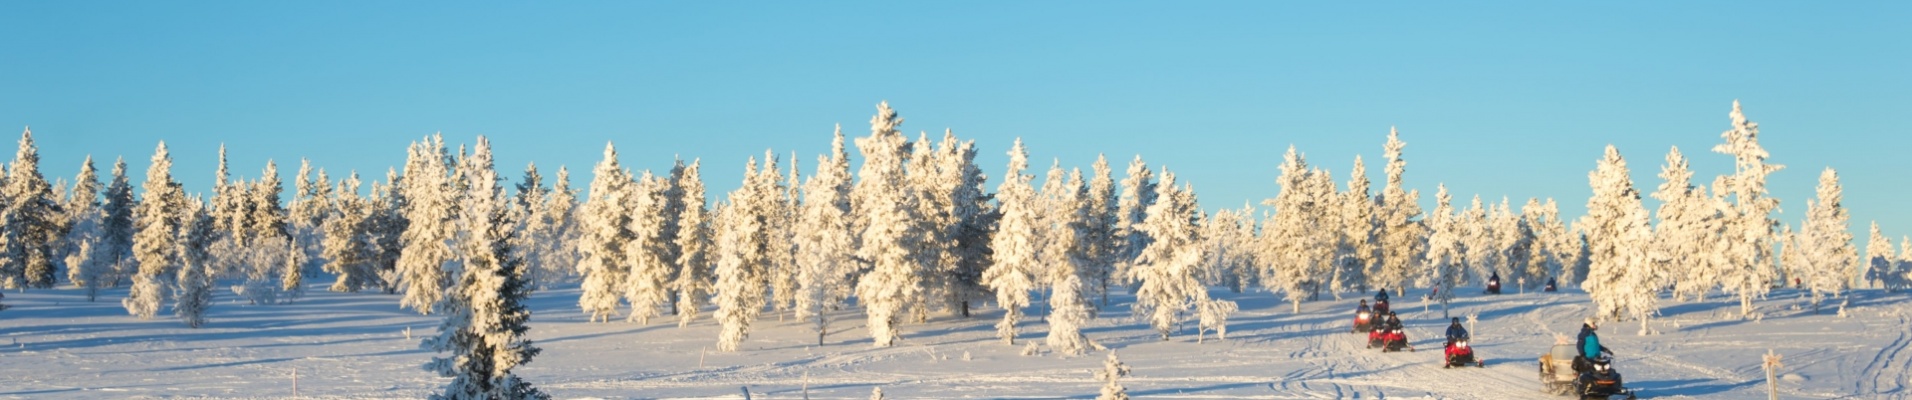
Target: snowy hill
(53, 344)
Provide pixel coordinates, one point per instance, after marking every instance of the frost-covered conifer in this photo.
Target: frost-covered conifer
(1402, 237)
(1355, 248)
(1017, 244)
(1102, 218)
(775, 210)
(1111, 375)
(743, 256)
(117, 226)
(485, 317)
(1748, 236)
(554, 232)
(1299, 253)
(431, 210)
(1543, 257)
(1445, 259)
(33, 222)
(1515, 239)
(1683, 243)
(348, 253)
(1825, 242)
(386, 225)
(1138, 194)
(694, 276)
(605, 226)
(1166, 269)
(161, 216)
(890, 235)
(826, 249)
(1621, 277)
(1063, 234)
(647, 251)
(88, 266)
(1879, 259)
(970, 218)
(195, 273)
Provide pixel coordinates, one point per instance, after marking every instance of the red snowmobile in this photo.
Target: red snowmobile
(1459, 354)
(1394, 340)
(1363, 321)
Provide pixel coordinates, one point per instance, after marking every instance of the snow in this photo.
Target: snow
(54, 344)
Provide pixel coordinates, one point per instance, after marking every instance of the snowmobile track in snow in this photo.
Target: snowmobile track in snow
(1888, 369)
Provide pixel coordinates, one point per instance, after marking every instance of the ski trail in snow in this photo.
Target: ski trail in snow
(1888, 369)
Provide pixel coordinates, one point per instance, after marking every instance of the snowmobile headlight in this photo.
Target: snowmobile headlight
(1600, 367)
(1361, 315)
(1462, 344)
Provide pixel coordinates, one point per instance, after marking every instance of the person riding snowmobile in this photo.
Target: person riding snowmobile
(1551, 285)
(1455, 332)
(1589, 346)
(1493, 283)
(1363, 317)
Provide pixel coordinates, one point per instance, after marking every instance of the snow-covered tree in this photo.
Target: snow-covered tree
(1167, 268)
(1111, 375)
(552, 229)
(348, 252)
(261, 250)
(1515, 239)
(1063, 234)
(485, 316)
(826, 249)
(1478, 253)
(33, 222)
(1879, 259)
(1902, 270)
(605, 226)
(743, 252)
(1545, 255)
(1621, 278)
(1684, 242)
(310, 206)
(117, 225)
(161, 217)
(776, 209)
(1402, 237)
(1825, 242)
(1017, 244)
(1748, 239)
(1138, 194)
(694, 276)
(88, 266)
(385, 228)
(647, 253)
(1232, 247)
(1100, 230)
(971, 217)
(1298, 252)
(195, 273)
(1445, 244)
(889, 237)
(1355, 250)
(431, 209)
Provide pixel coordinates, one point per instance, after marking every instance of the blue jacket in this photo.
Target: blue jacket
(1456, 332)
(1589, 343)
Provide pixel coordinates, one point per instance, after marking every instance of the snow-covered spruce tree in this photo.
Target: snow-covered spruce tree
(1515, 239)
(673, 228)
(971, 216)
(195, 273)
(1300, 254)
(347, 252)
(1111, 376)
(826, 250)
(890, 237)
(1099, 245)
(1070, 308)
(1166, 270)
(291, 270)
(1444, 248)
(1231, 244)
(1621, 278)
(646, 253)
(1355, 249)
(1402, 237)
(1748, 239)
(527, 208)
(387, 225)
(263, 240)
(694, 276)
(1541, 220)
(33, 222)
(311, 205)
(1878, 259)
(1016, 244)
(431, 210)
(605, 226)
(1902, 269)
(555, 230)
(778, 252)
(1831, 261)
(117, 226)
(485, 317)
(1477, 243)
(1682, 243)
(946, 201)
(743, 256)
(88, 266)
(161, 216)
(1138, 194)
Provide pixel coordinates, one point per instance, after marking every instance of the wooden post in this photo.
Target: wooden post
(1772, 370)
(295, 382)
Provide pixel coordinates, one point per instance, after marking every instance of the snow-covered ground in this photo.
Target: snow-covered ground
(54, 344)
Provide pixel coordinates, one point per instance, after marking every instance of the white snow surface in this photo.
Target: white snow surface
(54, 344)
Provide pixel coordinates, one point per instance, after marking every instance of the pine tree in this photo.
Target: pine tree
(1680, 243)
(743, 256)
(264, 241)
(156, 245)
(1138, 194)
(605, 228)
(647, 253)
(694, 275)
(347, 250)
(889, 218)
(1167, 267)
(32, 215)
(1831, 261)
(774, 209)
(1300, 254)
(1101, 229)
(88, 265)
(485, 316)
(971, 218)
(1111, 375)
(117, 226)
(387, 226)
(1515, 239)
(1063, 237)
(1445, 244)
(1355, 249)
(1748, 239)
(431, 212)
(1621, 278)
(1879, 259)
(1477, 243)
(826, 247)
(1402, 237)
(195, 274)
(1541, 222)
(554, 229)
(307, 213)
(1902, 270)
(1016, 244)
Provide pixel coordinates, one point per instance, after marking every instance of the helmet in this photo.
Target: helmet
(1457, 320)
(1592, 324)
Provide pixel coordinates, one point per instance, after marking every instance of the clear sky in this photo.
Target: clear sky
(1509, 99)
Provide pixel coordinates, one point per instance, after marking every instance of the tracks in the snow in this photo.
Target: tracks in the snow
(1888, 371)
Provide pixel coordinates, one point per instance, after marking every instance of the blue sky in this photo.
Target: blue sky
(1500, 99)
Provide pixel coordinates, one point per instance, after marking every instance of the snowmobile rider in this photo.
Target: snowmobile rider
(1455, 332)
(1551, 284)
(1381, 296)
(1393, 321)
(1590, 347)
(1363, 307)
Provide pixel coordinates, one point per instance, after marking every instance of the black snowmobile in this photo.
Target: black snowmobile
(1598, 380)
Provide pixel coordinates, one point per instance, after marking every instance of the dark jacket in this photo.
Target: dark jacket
(1456, 332)
(1361, 308)
(1393, 322)
(1589, 344)
(1381, 296)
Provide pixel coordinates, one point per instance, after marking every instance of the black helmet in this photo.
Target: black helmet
(1457, 320)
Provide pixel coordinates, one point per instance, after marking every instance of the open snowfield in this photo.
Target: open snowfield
(53, 344)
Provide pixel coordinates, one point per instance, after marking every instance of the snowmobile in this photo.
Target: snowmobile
(1550, 287)
(1459, 354)
(1493, 286)
(1394, 340)
(1557, 369)
(1363, 321)
(1377, 338)
(1380, 308)
(1599, 381)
